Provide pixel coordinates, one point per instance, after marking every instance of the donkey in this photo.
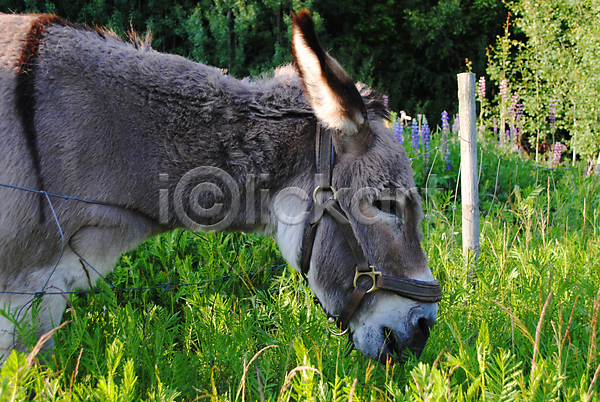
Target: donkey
(105, 144)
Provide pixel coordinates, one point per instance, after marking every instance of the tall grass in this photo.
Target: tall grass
(523, 326)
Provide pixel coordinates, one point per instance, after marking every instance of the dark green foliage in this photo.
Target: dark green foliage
(408, 49)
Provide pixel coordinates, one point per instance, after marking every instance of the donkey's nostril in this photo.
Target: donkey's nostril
(420, 336)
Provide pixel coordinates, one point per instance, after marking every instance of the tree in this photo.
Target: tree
(412, 49)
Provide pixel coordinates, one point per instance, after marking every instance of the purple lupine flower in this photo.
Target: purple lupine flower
(425, 131)
(519, 126)
(386, 102)
(552, 114)
(445, 133)
(456, 124)
(512, 117)
(398, 130)
(415, 135)
(420, 117)
(519, 111)
(558, 149)
(481, 88)
(402, 130)
(552, 111)
(445, 123)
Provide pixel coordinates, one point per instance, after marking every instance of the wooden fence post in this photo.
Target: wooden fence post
(468, 155)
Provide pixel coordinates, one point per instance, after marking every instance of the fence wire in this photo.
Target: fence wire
(433, 149)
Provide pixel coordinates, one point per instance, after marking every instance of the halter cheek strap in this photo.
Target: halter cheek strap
(422, 291)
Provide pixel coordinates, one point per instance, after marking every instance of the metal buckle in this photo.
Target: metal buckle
(324, 188)
(336, 332)
(371, 274)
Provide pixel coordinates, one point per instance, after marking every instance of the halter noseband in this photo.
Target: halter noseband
(422, 291)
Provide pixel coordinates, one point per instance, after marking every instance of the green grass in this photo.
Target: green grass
(519, 325)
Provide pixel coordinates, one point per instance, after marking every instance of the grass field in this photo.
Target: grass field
(521, 324)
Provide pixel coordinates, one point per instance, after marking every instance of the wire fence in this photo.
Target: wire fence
(170, 285)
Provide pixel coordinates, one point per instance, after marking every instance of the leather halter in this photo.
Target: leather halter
(422, 291)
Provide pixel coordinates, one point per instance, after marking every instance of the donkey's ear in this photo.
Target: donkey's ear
(332, 94)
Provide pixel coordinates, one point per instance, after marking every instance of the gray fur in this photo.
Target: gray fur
(121, 125)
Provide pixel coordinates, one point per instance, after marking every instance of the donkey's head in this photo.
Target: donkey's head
(361, 246)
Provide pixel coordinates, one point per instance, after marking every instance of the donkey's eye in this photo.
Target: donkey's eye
(387, 206)
(393, 208)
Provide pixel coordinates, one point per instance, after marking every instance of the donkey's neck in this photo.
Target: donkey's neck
(155, 127)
